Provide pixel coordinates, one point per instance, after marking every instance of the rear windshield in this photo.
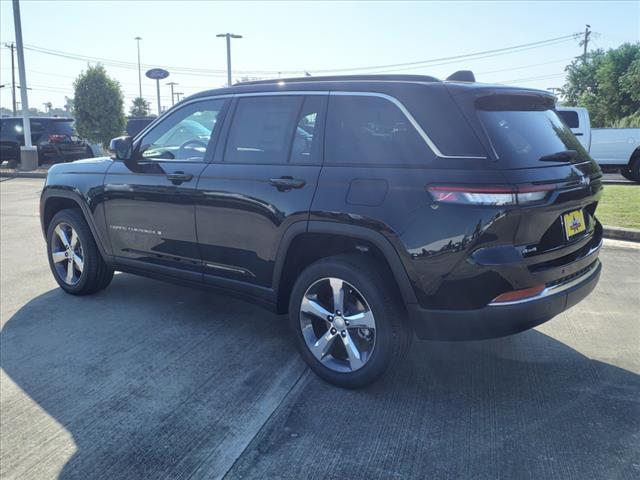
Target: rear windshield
(529, 134)
(63, 128)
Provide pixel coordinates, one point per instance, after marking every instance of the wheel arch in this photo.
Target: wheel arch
(305, 243)
(55, 199)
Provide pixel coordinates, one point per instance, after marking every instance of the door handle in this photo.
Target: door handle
(287, 183)
(178, 177)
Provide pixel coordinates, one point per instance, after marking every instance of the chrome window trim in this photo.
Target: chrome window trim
(425, 137)
(430, 143)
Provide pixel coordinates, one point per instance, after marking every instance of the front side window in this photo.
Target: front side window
(262, 129)
(370, 130)
(184, 135)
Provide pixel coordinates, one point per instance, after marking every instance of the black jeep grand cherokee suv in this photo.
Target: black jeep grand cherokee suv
(367, 207)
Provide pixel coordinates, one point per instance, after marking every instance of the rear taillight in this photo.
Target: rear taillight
(56, 138)
(489, 195)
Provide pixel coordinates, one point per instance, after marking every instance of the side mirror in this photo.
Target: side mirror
(121, 148)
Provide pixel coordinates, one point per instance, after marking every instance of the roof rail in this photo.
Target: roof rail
(343, 78)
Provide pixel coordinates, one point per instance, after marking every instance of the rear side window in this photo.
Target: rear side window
(13, 126)
(370, 130)
(570, 118)
(306, 138)
(262, 130)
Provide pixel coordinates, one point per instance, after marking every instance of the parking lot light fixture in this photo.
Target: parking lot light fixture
(228, 36)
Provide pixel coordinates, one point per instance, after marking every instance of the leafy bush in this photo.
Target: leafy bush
(98, 106)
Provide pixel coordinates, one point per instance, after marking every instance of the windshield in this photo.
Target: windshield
(522, 138)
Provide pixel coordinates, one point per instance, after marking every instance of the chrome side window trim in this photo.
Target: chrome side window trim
(425, 137)
(430, 143)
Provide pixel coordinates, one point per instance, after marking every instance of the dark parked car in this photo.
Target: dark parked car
(136, 124)
(55, 138)
(366, 207)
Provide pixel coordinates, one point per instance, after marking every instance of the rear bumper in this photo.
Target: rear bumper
(497, 320)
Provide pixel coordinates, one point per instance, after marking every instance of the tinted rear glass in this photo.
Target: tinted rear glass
(521, 137)
(371, 130)
(62, 128)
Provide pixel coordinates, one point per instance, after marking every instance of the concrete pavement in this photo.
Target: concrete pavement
(151, 380)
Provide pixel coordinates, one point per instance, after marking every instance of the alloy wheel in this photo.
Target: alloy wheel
(337, 325)
(66, 253)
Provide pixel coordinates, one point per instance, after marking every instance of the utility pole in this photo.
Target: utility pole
(585, 42)
(172, 84)
(228, 36)
(12, 47)
(137, 39)
(178, 96)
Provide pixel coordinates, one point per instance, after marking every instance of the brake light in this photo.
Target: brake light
(56, 138)
(489, 195)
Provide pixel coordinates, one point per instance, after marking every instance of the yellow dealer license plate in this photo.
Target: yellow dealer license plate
(573, 223)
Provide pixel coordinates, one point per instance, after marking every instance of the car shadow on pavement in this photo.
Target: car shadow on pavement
(158, 381)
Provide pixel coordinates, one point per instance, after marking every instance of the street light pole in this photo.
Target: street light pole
(228, 36)
(28, 153)
(137, 39)
(158, 93)
(26, 127)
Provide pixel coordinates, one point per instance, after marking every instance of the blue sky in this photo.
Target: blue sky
(311, 36)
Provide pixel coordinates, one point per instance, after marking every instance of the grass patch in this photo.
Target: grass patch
(620, 206)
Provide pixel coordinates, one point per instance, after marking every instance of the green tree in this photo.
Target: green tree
(139, 107)
(98, 106)
(607, 84)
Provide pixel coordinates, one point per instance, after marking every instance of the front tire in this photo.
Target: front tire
(347, 320)
(74, 258)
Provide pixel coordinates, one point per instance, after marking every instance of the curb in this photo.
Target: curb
(620, 233)
(618, 182)
(12, 174)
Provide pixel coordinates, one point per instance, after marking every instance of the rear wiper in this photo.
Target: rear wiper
(561, 156)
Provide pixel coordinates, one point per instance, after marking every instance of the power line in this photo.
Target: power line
(467, 57)
(531, 79)
(526, 66)
(220, 73)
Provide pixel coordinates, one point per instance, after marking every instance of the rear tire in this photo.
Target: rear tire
(632, 172)
(74, 258)
(370, 317)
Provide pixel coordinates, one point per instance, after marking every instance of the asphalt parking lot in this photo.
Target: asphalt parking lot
(151, 380)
